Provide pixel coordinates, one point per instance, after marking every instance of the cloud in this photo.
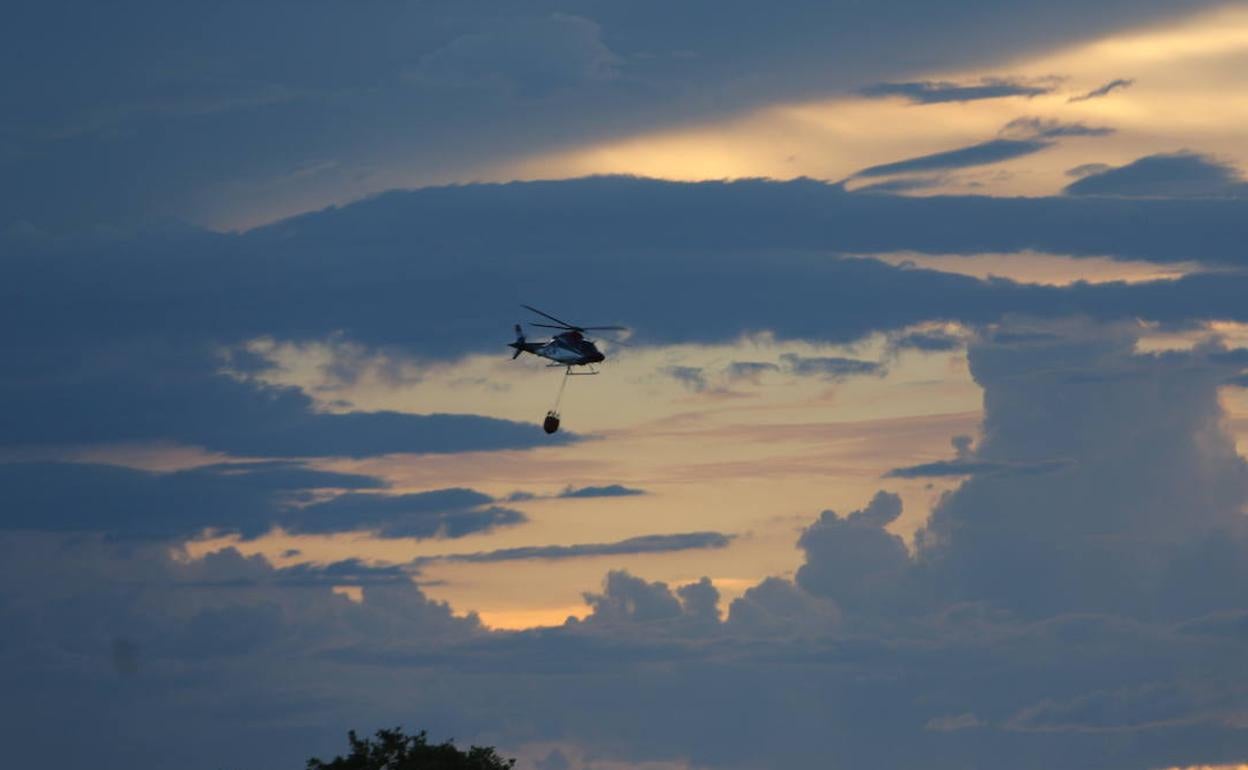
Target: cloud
(1089, 618)
(1019, 137)
(1175, 175)
(1087, 169)
(629, 600)
(129, 503)
(966, 468)
(777, 607)
(1050, 128)
(1078, 394)
(852, 560)
(633, 545)
(239, 125)
(124, 392)
(439, 513)
(966, 464)
(901, 185)
(926, 341)
(610, 490)
(692, 377)
(832, 368)
(243, 498)
(1105, 90)
(93, 368)
(935, 92)
(749, 370)
(981, 154)
(535, 56)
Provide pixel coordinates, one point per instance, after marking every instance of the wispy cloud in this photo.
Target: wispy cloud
(610, 490)
(633, 545)
(939, 91)
(1104, 90)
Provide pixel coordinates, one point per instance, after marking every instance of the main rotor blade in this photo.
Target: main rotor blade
(551, 317)
(604, 328)
(551, 326)
(614, 341)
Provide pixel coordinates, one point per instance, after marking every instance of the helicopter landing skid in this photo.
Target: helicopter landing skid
(570, 373)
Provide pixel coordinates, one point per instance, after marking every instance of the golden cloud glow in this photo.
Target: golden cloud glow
(758, 466)
(1187, 92)
(1040, 268)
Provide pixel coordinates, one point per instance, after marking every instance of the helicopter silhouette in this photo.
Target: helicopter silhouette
(569, 348)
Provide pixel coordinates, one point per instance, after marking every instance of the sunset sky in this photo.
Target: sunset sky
(923, 446)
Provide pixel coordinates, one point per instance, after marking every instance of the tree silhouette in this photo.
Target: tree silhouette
(392, 750)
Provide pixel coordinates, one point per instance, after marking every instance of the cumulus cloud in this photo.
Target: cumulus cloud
(777, 607)
(854, 560)
(627, 600)
(1090, 618)
(1078, 395)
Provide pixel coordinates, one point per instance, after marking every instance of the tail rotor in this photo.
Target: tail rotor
(518, 344)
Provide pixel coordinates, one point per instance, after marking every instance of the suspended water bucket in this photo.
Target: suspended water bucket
(551, 423)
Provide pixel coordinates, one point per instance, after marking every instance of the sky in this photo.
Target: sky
(923, 445)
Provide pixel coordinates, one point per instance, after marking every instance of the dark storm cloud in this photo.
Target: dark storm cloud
(1092, 620)
(124, 502)
(243, 498)
(1174, 175)
(305, 278)
(642, 544)
(1080, 396)
(159, 390)
(149, 108)
(1104, 90)
(120, 338)
(937, 91)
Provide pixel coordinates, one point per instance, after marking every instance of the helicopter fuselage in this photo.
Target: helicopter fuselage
(566, 349)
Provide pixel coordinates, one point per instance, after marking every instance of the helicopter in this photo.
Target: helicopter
(569, 348)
